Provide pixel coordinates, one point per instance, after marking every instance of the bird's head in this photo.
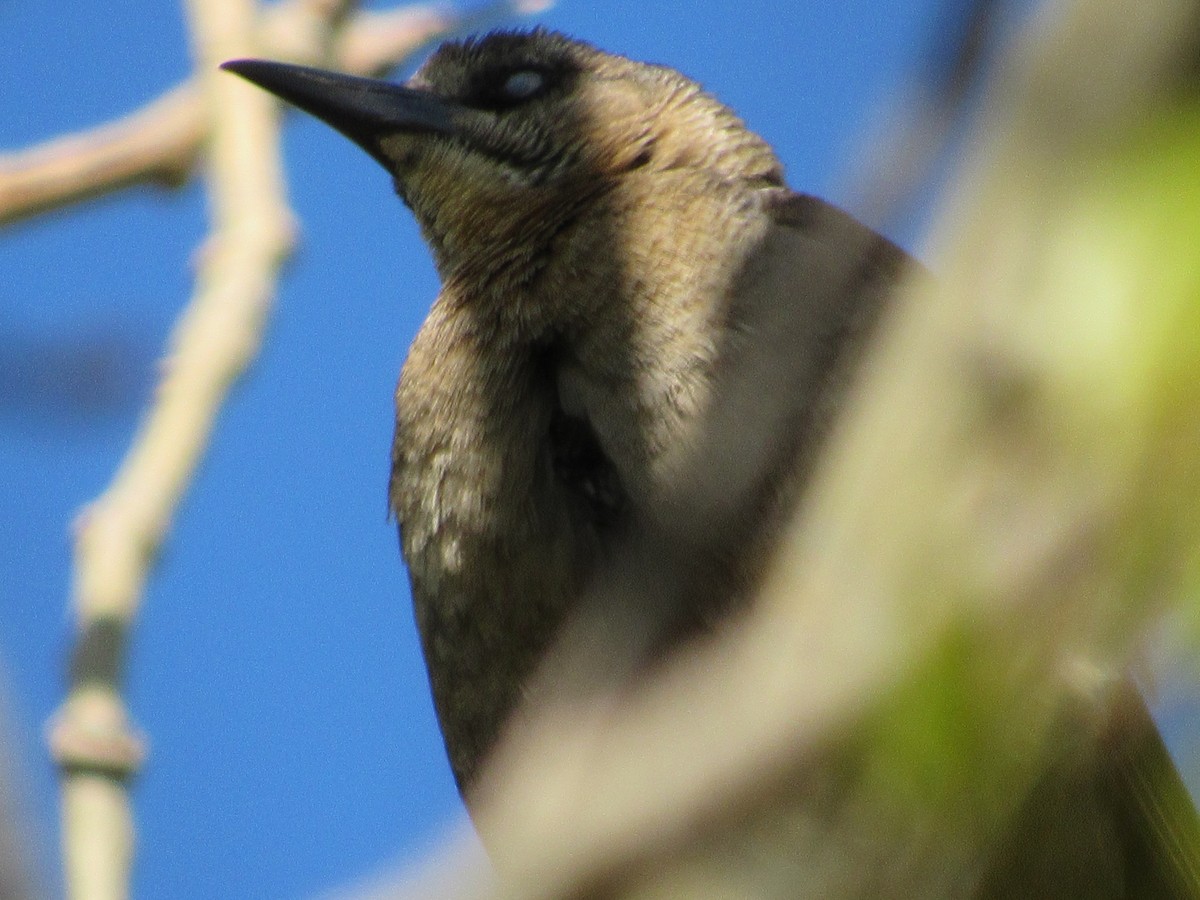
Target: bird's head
(500, 138)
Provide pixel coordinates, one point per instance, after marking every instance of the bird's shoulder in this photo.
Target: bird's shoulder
(807, 220)
(814, 274)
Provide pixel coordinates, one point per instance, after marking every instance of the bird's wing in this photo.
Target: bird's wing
(803, 306)
(1158, 825)
(1108, 814)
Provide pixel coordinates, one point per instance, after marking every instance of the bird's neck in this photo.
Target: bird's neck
(490, 249)
(606, 332)
(645, 285)
(492, 550)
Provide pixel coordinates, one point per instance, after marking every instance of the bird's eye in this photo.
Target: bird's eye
(523, 84)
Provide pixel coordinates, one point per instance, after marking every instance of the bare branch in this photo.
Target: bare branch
(119, 535)
(160, 143)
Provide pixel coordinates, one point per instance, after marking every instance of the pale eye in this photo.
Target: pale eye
(523, 84)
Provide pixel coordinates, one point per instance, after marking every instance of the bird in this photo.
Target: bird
(603, 230)
(642, 339)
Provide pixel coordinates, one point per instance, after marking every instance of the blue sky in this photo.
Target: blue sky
(275, 667)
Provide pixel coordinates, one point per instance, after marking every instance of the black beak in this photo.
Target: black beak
(363, 109)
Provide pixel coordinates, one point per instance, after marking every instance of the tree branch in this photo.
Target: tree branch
(161, 143)
(118, 535)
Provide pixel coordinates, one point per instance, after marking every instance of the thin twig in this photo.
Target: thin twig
(884, 183)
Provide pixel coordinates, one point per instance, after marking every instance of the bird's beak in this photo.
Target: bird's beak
(363, 109)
